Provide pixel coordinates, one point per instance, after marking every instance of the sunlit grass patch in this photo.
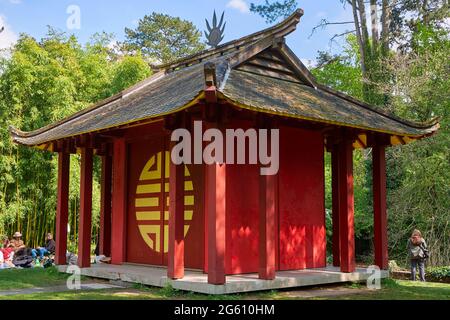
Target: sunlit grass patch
(15, 279)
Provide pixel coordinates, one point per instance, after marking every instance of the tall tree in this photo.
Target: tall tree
(421, 171)
(162, 38)
(397, 21)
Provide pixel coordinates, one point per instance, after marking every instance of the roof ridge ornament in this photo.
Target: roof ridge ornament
(280, 29)
(216, 33)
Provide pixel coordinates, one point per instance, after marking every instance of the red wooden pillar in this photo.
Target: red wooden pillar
(84, 229)
(175, 264)
(215, 187)
(105, 206)
(267, 221)
(119, 201)
(346, 206)
(335, 204)
(379, 206)
(62, 209)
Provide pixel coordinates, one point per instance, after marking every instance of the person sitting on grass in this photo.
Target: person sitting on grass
(17, 243)
(48, 249)
(5, 242)
(6, 255)
(418, 253)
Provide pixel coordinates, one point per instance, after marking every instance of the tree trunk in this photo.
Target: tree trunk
(363, 20)
(374, 23)
(385, 25)
(359, 38)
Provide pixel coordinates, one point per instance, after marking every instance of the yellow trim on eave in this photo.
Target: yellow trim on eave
(201, 95)
(243, 106)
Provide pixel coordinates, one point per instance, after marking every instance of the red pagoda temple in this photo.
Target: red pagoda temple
(219, 218)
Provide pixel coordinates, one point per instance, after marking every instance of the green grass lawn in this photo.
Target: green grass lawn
(403, 290)
(14, 279)
(391, 290)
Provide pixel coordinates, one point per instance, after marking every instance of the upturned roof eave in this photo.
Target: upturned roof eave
(22, 137)
(427, 131)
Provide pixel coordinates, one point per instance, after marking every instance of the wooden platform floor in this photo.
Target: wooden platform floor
(196, 281)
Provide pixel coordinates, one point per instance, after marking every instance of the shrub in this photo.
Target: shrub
(439, 272)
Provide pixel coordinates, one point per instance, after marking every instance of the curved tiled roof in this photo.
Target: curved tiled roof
(181, 84)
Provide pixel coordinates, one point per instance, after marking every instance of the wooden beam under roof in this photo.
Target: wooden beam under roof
(297, 65)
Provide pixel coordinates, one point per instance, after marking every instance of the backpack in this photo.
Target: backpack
(23, 261)
(23, 252)
(48, 263)
(426, 253)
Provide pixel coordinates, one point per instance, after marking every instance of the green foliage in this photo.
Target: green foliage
(128, 71)
(408, 14)
(418, 179)
(272, 11)
(439, 272)
(362, 176)
(169, 292)
(341, 72)
(42, 82)
(420, 192)
(162, 38)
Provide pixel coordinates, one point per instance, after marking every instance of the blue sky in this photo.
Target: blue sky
(33, 16)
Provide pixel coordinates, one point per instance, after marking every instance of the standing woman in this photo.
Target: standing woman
(418, 253)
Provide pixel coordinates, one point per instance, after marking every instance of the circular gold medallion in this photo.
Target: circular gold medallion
(152, 201)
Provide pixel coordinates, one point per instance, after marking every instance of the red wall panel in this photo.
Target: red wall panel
(302, 237)
(302, 241)
(242, 221)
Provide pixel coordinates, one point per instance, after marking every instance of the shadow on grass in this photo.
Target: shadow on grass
(168, 292)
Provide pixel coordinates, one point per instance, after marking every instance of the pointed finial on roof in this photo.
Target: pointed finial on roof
(215, 33)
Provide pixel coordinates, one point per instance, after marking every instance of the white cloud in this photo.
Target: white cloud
(15, 1)
(239, 5)
(8, 37)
